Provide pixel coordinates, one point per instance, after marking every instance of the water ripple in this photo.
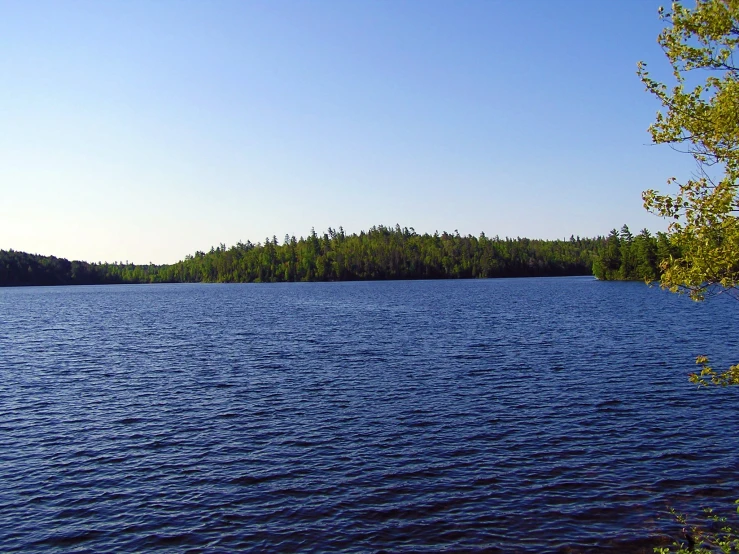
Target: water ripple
(530, 415)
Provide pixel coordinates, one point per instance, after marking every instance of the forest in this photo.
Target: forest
(380, 253)
(624, 257)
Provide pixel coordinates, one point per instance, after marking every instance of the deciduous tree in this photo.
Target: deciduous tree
(700, 116)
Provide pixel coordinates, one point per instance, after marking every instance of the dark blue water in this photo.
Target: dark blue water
(527, 415)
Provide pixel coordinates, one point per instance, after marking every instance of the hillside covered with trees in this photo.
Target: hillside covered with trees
(378, 254)
(21, 269)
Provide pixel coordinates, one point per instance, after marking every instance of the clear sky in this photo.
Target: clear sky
(147, 130)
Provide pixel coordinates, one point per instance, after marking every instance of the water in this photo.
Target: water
(525, 415)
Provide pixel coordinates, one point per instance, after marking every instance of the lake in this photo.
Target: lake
(509, 415)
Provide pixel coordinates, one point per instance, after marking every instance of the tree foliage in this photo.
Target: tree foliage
(380, 253)
(385, 253)
(708, 537)
(22, 269)
(624, 257)
(700, 116)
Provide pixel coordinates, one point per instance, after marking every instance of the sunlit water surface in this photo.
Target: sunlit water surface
(525, 415)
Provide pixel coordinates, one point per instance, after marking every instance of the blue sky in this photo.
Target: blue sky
(146, 130)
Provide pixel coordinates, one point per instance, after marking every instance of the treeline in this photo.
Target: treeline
(384, 253)
(624, 257)
(21, 269)
(378, 254)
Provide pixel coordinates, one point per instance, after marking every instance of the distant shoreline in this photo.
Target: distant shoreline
(380, 254)
(35, 285)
